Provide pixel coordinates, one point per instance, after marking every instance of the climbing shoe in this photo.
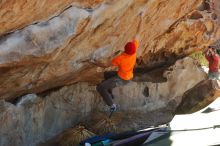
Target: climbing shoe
(114, 108)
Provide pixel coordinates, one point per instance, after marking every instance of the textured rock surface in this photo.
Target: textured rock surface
(198, 97)
(60, 43)
(18, 14)
(35, 119)
(48, 44)
(149, 95)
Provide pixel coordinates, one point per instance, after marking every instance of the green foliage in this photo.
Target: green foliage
(200, 58)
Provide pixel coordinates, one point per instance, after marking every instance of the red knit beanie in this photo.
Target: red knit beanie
(130, 48)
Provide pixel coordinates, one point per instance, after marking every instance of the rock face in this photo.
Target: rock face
(199, 97)
(18, 14)
(34, 119)
(47, 44)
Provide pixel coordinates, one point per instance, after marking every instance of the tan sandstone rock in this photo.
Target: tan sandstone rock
(37, 118)
(48, 44)
(60, 43)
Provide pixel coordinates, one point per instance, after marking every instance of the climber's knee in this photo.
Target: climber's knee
(99, 88)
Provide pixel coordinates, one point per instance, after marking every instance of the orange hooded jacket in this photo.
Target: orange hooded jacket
(126, 63)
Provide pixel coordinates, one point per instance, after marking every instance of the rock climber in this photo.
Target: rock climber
(213, 59)
(125, 63)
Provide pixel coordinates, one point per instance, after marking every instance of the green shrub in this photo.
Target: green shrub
(200, 58)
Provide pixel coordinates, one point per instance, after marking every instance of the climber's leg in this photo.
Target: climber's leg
(103, 89)
(213, 75)
(216, 80)
(106, 87)
(109, 74)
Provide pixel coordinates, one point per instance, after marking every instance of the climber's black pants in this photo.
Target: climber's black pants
(105, 88)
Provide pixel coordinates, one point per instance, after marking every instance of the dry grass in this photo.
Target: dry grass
(74, 136)
(102, 124)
